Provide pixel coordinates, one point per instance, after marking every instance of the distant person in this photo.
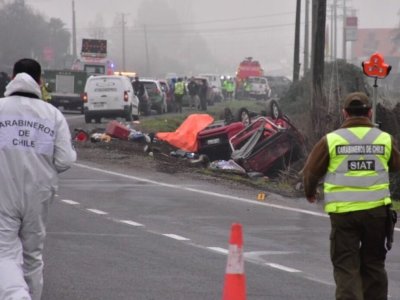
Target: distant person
(230, 88)
(138, 87)
(4, 80)
(35, 147)
(193, 90)
(203, 91)
(46, 93)
(179, 92)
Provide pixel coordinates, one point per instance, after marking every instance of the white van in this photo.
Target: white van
(109, 96)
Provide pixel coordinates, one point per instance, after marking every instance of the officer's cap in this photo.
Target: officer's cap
(357, 100)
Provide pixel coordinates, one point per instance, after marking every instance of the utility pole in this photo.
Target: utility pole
(332, 35)
(74, 55)
(296, 59)
(344, 31)
(123, 43)
(147, 51)
(335, 29)
(318, 101)
(306, 36)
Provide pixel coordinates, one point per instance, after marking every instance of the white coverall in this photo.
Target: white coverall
(35, 145)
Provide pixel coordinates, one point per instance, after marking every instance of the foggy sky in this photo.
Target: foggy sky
(270, 40)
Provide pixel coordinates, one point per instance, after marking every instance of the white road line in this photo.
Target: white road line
(130, 223)
(283, 268)
(218, 249)
(96, 211)
(70, 202)
(176, 237)
(180, 187)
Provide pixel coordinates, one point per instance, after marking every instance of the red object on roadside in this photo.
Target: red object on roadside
(376, 67)
(118, 130)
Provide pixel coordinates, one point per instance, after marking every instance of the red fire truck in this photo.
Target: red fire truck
(247, 68)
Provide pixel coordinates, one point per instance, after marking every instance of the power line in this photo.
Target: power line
(223, 20)
(207, 30)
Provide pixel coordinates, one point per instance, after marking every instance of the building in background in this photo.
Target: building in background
(382, 40)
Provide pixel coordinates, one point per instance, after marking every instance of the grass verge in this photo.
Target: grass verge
(170, 122)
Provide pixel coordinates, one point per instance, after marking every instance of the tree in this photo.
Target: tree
(24, 33)
(96, 28)
(172, 45)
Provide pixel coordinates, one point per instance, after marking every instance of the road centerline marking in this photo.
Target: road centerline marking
(129, 222)
(96, 211)
(175, 237)
(283, 268)
(71, 202)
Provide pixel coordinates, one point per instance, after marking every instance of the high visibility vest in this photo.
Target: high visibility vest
(179, 88)
(46, 96)
(357, 176)
(230, 87)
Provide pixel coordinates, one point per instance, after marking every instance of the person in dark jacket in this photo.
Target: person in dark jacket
(354, 163)
(193, 89)
(4, 80)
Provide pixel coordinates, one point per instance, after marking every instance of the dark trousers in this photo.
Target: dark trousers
(178, 102)
(358, 254)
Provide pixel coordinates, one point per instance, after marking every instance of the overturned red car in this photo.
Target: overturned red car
(259, 143)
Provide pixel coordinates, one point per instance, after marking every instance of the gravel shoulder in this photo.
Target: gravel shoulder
(125, 155)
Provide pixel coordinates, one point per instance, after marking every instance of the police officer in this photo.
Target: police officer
(179, 92)
(355, 161)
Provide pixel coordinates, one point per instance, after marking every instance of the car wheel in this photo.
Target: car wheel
(273, 109)
(88, 119)
(135, 117)
(243, 116)
(128, 116)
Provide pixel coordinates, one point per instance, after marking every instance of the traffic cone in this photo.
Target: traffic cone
(235, 281)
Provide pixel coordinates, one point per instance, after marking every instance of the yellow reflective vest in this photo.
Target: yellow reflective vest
(180, 88)
(357, 177)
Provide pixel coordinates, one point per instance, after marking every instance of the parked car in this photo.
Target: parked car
(156, 94)
(210, 94)
(216, 86)
(259, 87)
(109, 96)
(279, 85)
(169, 95)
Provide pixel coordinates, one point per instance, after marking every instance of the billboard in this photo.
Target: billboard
(351, 28)
(94, 48)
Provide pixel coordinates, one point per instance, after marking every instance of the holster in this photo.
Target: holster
(391, 220)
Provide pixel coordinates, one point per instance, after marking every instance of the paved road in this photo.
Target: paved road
(142, 236)
(149, 235)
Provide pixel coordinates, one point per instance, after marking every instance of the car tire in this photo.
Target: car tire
(273, 110)
(88, 119)
(135, 117)
(128, 116)
(243, 115)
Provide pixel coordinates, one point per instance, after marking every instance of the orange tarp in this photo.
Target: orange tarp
(185, 136)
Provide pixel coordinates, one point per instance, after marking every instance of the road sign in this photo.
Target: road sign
(376, 67)
(351, 28)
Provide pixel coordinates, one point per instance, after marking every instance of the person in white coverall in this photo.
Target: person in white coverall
(35, 145)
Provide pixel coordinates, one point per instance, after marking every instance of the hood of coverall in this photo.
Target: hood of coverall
(23, 83)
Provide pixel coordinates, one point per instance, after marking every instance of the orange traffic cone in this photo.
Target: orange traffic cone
(235, 281)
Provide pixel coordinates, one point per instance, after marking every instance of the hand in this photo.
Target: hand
(312, 199)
